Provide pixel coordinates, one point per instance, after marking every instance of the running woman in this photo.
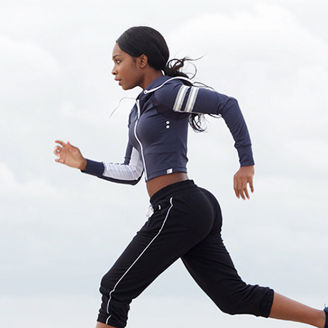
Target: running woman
(186, 219)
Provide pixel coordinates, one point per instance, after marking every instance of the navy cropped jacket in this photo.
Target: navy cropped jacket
(158, 130)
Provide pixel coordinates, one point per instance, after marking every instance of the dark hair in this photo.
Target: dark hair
(140, 40)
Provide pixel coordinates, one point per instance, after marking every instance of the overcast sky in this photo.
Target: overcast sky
(60, 230)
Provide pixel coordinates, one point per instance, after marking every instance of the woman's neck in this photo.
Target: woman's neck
(149, 77)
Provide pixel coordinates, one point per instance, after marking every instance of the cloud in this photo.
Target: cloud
(33, 188)
(26, 68)
(268, 32)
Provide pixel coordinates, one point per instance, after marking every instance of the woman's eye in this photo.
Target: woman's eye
(117, 61)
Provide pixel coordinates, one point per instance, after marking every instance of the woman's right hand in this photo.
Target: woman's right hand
(69, 155)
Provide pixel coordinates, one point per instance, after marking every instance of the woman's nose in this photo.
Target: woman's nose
(114, 71)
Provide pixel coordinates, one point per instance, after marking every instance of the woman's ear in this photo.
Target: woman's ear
(142, 61)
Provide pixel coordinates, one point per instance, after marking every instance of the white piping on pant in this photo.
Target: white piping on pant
(125, 273)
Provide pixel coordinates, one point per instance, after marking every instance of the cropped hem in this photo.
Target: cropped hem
(165, 172)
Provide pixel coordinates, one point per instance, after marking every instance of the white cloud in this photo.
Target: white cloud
(267, 32)
(26, 68)
(33, 188)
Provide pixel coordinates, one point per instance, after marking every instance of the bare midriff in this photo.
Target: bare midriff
(162, 181)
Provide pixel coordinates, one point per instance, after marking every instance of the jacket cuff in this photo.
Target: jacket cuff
(245, 156)
(94, 168)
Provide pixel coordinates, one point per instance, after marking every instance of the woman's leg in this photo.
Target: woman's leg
(210, 265)
(287, 309)
(167, 235)
(102, 325)
(149, 253)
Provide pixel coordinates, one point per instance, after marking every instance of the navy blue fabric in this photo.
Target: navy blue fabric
(215, 103)
(94, 168)
(159, 133)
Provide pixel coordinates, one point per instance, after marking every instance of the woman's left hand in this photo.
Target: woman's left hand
(243, 177)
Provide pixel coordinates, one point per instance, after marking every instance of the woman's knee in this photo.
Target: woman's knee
(247, 299)
(106, 282)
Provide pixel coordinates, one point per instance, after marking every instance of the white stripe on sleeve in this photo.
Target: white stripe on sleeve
(131, 171)
(191, 99)
(180, 98)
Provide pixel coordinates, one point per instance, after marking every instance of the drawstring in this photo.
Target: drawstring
(151, 210)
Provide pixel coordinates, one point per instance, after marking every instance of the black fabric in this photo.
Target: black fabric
(186, 224)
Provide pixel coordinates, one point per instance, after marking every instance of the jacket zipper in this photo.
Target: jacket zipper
(135, 134)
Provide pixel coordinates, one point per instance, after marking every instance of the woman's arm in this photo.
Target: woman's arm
(129, 172)
(190, 99)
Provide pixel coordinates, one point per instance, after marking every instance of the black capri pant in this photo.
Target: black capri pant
(186, 223)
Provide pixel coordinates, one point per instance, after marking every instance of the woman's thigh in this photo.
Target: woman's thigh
(211, 266)
(172, 230)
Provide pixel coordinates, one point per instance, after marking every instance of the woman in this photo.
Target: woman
(186, 219)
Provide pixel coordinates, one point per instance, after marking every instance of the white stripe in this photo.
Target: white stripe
(132, 171)
(160, 230)
(135, 134)
(180, 98)
(191, 99)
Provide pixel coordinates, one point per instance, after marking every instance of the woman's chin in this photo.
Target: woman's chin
(127, 87)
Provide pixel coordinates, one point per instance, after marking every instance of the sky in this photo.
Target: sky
(60, 230)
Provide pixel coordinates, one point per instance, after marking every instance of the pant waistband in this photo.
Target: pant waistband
(170, 189)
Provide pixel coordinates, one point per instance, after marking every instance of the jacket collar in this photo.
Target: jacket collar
(154, 84)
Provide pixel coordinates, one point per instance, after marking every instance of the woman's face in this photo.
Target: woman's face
(126, 70)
